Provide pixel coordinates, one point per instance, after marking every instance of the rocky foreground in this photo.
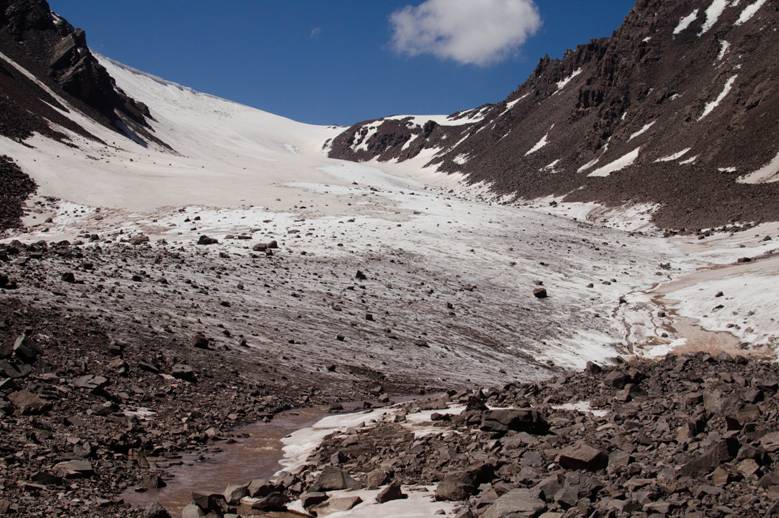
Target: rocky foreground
(684, 436)
(92, 403)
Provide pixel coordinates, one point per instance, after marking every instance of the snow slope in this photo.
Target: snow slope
(226, 154)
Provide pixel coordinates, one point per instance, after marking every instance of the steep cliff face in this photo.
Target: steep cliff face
(678, 108)
(40, 53)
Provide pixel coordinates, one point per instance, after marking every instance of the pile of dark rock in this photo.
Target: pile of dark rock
(15, 187)
(685, 436)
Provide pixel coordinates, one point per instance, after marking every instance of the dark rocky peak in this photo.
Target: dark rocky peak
(58, 55)
(676, 110)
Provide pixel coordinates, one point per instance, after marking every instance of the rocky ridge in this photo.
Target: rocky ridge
(675, 110)
(57, 55)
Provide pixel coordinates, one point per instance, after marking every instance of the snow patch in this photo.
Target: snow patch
(727, 169)
(724, 46)
(690, 160)
(642, 130)
(441, 120)
(510, 105)
(420, 503)
(562, 84)
(550, 168)
(710, 107)
(461, 159)
(585, 407)
(713, 13)
(749, 11)
(675, 156)
(365, 136)
(298, 446)
(618, 164)
(769, 173)
(685, 22)
(541, 143)
(588, 165)
(410, 141)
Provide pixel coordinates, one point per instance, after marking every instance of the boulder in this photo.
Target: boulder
(200, 341)
(334, 479)
(205, 241)
(272, 502)
(74, 469)
(90, 382)
(311, 499)
(210, 502)
(260, 487)
(462, 484)
(770, 442)
(27, 403)
(234, 493)
(517, 503)
(376, 478)
(184, 372)
(24, 350)
(391, 492)
(526, 420)
(582, 456)
(722, 451)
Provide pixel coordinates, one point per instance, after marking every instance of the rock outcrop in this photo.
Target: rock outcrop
(678, 108)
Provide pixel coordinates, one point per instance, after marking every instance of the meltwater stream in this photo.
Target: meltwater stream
(256, 456)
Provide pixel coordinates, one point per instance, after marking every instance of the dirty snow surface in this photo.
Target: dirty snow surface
(445, 290)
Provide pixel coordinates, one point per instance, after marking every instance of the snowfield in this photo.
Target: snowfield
(451, 271)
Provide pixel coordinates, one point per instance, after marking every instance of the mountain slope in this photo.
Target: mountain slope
(678, 108)
(55, 53)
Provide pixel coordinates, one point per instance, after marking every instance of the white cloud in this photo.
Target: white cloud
(474, 32)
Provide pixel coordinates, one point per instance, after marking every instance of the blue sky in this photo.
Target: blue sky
(339, 61)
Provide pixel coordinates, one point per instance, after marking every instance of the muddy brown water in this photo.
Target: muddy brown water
(255, 456)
